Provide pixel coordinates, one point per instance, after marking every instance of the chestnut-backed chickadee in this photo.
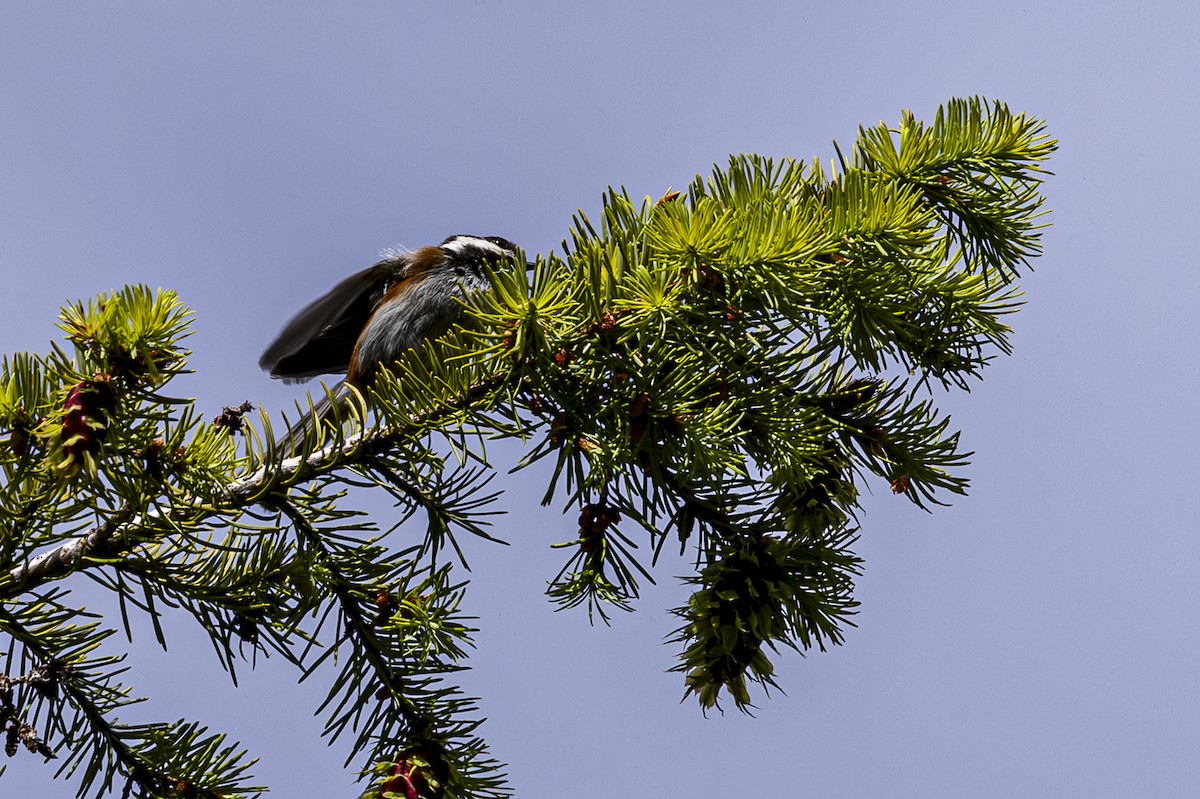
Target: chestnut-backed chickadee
(370, 319)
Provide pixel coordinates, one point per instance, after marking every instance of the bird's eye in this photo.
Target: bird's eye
(503, 244)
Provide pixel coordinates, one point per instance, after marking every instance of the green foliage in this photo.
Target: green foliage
(724, 368)
(767, 590)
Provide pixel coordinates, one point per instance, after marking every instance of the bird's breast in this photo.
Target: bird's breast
(422, 305)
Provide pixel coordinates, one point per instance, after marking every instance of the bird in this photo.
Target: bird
(370, 319)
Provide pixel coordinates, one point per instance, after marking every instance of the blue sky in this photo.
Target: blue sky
(1038, 638)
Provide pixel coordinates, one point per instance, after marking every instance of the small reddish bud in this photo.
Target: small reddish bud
(88, 409)
(558, 426)
(637, 408)
(608, 517)
(230, 417)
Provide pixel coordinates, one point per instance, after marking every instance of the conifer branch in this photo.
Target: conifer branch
(731, 363)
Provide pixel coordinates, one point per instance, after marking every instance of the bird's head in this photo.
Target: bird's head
(473, 250)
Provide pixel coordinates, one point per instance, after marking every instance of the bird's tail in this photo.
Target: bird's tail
(337, 396)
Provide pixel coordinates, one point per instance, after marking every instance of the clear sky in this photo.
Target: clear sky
(1038, 638)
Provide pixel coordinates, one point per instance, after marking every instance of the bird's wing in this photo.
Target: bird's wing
(320, 339)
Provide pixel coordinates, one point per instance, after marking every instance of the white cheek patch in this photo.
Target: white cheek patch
(458, 244)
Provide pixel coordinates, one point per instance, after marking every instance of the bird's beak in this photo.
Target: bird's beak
(529, 265)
